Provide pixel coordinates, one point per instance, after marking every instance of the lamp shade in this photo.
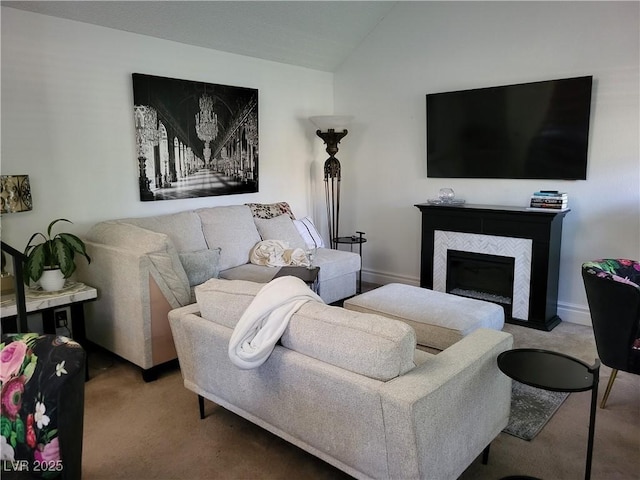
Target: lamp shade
(331, 122)
(15, 193)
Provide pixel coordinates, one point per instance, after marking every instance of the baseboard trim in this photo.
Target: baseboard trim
(384, 278)
(572, 313)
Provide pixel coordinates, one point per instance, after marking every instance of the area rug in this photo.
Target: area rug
(531, 409)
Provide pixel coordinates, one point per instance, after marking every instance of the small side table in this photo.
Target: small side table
(354, 240)
(74, 296)
(307, 275)
(558, 373)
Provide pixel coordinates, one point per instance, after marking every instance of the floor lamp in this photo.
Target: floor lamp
(331, 130)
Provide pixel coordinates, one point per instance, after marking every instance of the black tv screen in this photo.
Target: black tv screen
(534, 130)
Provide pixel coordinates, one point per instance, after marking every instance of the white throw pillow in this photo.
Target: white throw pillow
(309, 233)
(280, 228)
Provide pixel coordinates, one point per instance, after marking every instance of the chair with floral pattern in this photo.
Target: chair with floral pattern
(613, 294)
(42, 380)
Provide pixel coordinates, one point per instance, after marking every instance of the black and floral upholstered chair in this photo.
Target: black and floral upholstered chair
(41, 422)
(613, 294)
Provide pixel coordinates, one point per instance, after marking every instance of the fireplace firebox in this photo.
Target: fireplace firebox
(536, 238)
(481, 276)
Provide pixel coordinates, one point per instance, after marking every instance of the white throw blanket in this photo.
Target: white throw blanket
(265, 319)
(276, 253)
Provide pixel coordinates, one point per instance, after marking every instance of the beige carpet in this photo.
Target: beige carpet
(144, 431)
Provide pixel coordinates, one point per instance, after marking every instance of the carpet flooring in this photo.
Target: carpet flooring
(152, 431)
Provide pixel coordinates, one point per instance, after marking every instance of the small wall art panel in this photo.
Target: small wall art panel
(194, 139)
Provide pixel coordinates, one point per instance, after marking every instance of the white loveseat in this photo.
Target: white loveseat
(145, 267)
(350, 387)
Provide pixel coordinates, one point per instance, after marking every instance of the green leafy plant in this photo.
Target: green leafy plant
(55, 252)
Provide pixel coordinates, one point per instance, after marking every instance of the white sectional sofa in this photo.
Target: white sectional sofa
(145, 267)
(350, 387)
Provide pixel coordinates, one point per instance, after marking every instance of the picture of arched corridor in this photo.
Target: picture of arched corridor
(194, 139)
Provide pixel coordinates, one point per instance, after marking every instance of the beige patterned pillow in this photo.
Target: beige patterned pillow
(270, 210)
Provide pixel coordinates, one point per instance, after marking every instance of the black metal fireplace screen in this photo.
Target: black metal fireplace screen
(481, 276)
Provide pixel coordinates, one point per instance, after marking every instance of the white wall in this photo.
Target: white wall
(67, 120)
(427, 47)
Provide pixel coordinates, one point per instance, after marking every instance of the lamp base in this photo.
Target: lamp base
(7, 285)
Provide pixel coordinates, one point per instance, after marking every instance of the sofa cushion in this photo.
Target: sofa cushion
(335, 263)
(270, 210)
(184, 229)
(157, 246)
(280, 228)
(230, 228)
(200, 266)
(224, 301)
(370, 345)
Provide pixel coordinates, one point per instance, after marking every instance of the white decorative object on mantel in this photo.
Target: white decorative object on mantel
(518, 248)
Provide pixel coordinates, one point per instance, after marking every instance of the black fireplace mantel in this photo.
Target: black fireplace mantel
(542, 227)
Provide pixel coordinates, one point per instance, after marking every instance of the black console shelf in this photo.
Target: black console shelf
(542, 227)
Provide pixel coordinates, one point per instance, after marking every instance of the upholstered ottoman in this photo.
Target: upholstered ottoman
(439, 319)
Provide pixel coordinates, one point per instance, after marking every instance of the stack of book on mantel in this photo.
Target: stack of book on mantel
(549, 200)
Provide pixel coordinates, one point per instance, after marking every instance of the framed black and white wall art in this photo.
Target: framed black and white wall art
(194, 139)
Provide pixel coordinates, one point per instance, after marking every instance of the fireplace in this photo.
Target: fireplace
(481, 276)
(496, 248)
(514, 251)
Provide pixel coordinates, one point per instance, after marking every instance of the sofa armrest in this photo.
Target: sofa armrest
(130, 290)
(459, 394)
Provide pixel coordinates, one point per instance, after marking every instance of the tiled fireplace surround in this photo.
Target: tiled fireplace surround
(517, 248)
(530, 238)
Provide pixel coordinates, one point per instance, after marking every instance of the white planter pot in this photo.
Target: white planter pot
(52, 280)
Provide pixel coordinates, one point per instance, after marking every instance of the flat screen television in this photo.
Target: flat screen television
(536, 130)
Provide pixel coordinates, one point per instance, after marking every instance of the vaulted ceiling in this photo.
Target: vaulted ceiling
(313, 34)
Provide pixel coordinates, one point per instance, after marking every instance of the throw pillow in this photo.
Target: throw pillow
(309, 233)
(201, 265)
(280, 228)
(270, 210)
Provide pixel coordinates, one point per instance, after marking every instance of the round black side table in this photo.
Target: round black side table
(354, 240)
(558, 373)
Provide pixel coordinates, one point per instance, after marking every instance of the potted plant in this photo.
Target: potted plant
(52, 261)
